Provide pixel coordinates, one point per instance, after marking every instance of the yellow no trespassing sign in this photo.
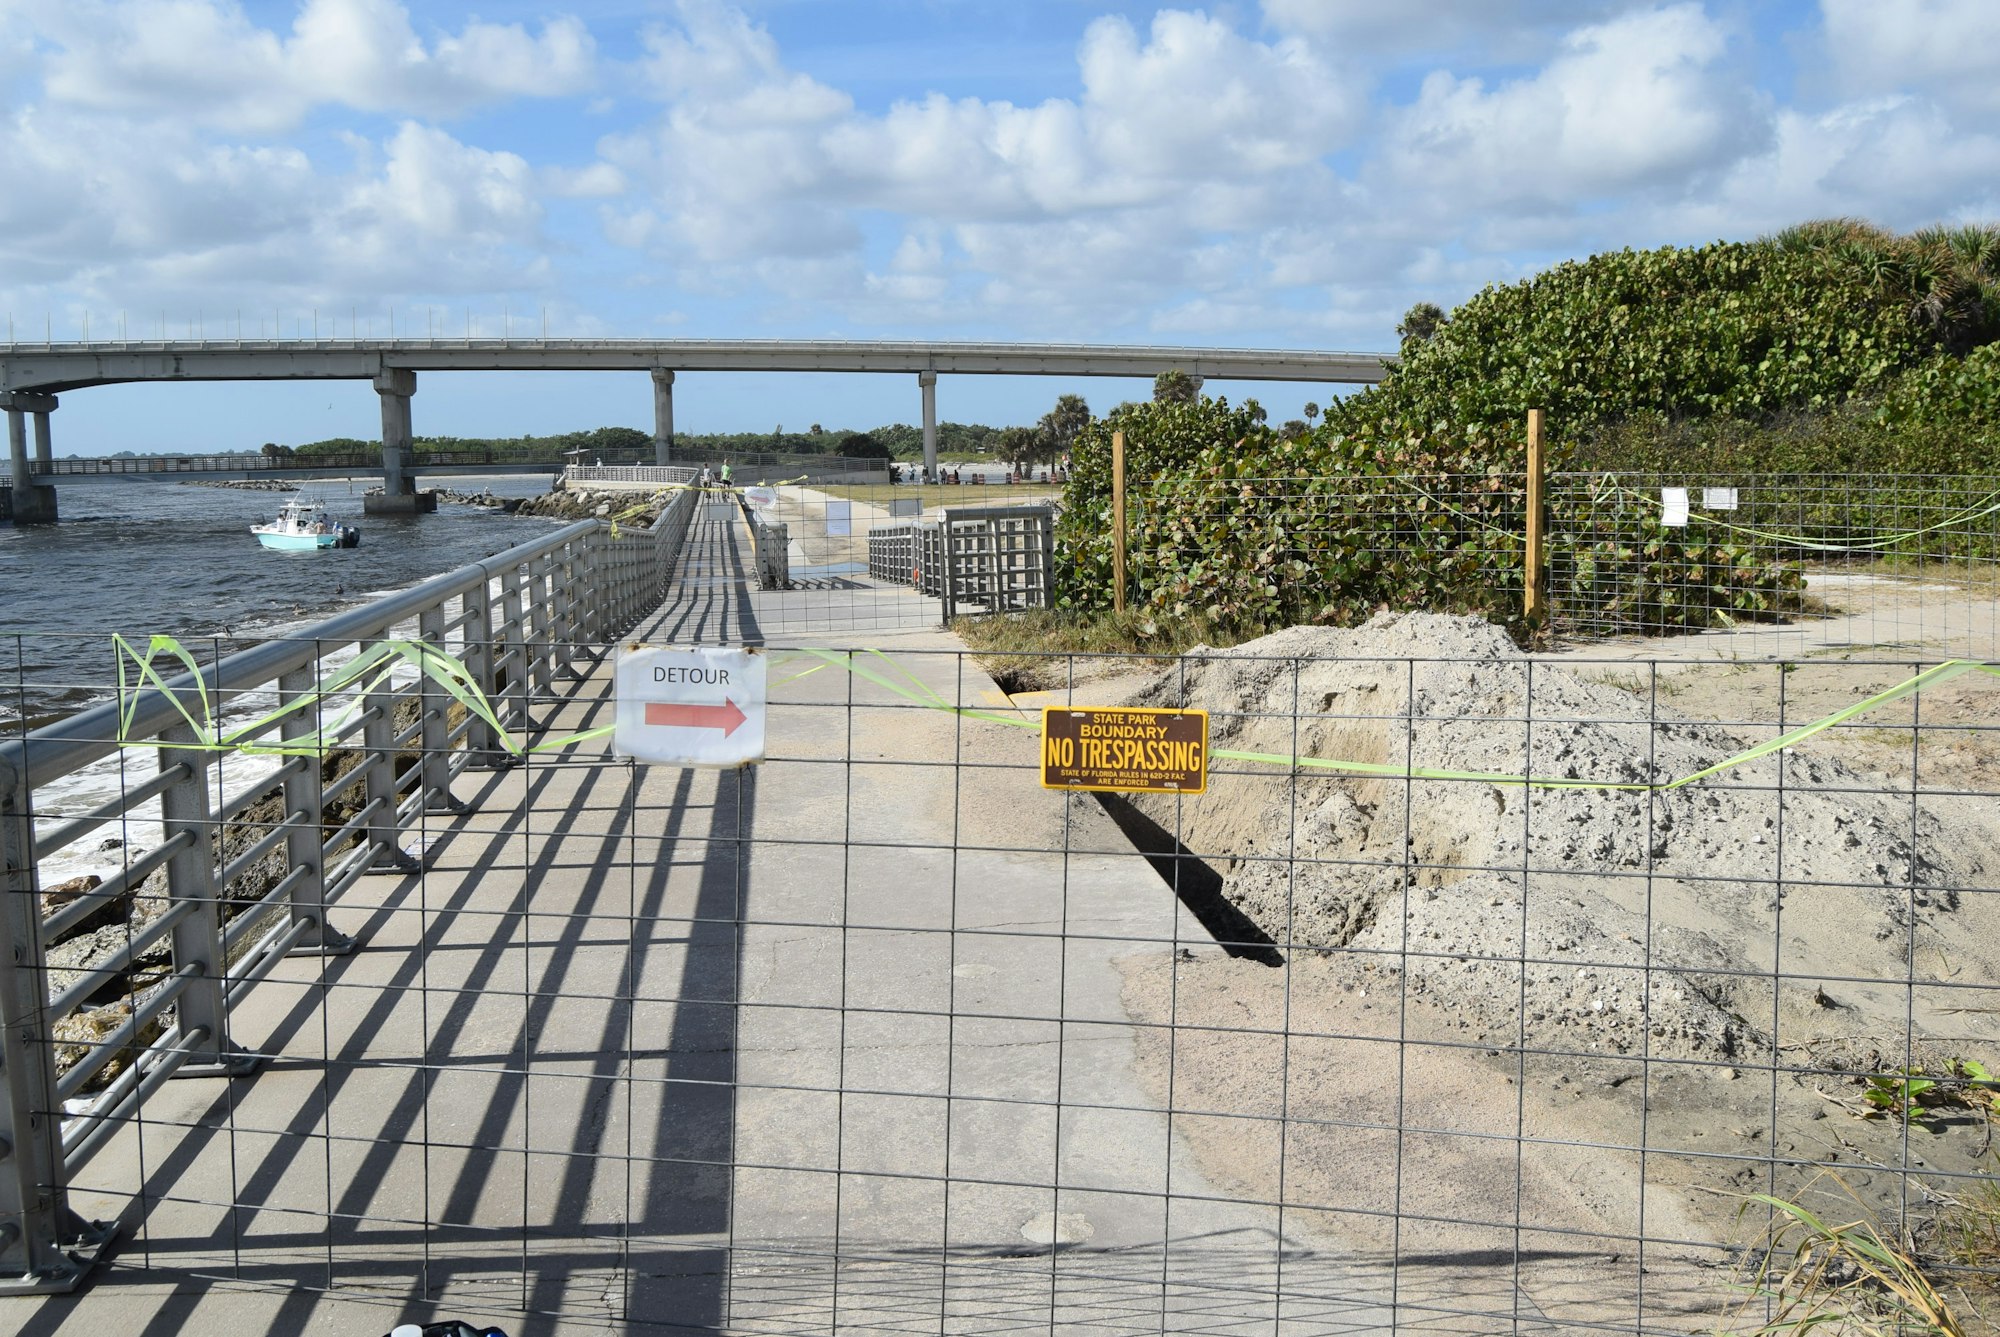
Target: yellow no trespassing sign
(1124, 749)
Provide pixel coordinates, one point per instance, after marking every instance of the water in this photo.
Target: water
(146, 558)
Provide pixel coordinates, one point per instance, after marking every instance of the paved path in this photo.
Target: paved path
(830, 1044)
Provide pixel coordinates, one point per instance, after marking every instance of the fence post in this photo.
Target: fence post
(1533, 607)
(203, 1008)
(434, 723)
(44, 1246)
(1118, 522)
(948, 569)
(513, 647)
(378, 740)
(480, 652)
(305, 843)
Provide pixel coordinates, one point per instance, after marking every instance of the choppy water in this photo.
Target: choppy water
(143, 558)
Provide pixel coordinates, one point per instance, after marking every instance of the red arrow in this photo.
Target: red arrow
(725, 717)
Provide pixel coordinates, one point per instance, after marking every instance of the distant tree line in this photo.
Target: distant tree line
(1045, 442)
(894, 441)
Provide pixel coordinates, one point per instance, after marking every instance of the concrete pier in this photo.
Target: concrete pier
(663, 416)
(928, 380)
(396, 386)
(27, 502)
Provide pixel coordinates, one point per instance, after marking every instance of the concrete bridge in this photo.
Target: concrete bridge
(33, 376)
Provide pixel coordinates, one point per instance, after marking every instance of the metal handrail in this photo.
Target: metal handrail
(520, 616)
(67, 745)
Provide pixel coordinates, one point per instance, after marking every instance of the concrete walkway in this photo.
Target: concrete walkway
(834, 1043)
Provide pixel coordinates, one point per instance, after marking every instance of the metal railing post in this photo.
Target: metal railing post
(203, 1008)
(540, 622)
(562, 609)
(948, 550)
(1046, 546)
(625, 597)
(378, 739)
(513, 684)
(44, 1246)
(434, 723)
(478, 656)
(305, 843)
(589, 597)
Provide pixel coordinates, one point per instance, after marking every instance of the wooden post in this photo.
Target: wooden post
(1118, 521)
(1533, 609)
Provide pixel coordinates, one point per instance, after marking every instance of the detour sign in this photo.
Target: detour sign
(1120, 748)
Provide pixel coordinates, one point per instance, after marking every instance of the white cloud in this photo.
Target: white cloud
(1899, 161)
(1203, 175)
(122, 220)
(598, 181)
(433, 188)
(1186, 130)
(1498, 30)
(206, 60)
(1640, 103)
(1943, 49)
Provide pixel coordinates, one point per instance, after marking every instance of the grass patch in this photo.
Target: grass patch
(942, 494)
(1027, 652)
(1843, 1269)
(1967, 1239)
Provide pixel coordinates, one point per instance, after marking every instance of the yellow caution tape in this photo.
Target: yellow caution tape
(1977, 510)
(912, 689)
(363, 675)
(370, 670)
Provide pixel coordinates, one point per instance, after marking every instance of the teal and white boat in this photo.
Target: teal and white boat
(303, 524)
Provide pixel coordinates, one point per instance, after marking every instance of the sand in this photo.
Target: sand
(1618, 1012)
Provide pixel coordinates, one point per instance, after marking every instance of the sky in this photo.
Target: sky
(1254, 173)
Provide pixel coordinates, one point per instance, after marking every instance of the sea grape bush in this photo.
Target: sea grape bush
(1831, 347)
(1233, 522)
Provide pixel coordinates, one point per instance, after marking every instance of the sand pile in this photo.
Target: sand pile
(1804, 863)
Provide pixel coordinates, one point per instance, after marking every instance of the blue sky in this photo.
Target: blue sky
(1257, 173)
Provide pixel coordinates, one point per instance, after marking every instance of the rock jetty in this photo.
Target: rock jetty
(628, 508)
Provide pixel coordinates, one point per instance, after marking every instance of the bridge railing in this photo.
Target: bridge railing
(170, 464)
(359, 461)
(248, 861)
(630, 475)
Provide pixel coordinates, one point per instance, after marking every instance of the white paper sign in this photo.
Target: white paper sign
(1718, 498)
(839, 519)
(1674, 507)
(692, 707)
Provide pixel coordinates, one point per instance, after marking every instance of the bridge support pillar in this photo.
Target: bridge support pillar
(27, 502)
(396, 386)
(928, 380)
(663, 416)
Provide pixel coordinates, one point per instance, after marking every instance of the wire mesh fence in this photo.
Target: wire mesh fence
(1756, 564)
(1446, 1007)
(1843, 560)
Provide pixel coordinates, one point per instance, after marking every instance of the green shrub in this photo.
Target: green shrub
(1829, 351)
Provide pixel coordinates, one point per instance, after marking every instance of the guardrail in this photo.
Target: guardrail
(360, 461)
(515, 621)
(991, 559)
(629, 475)
(996, 559)
(892, 551)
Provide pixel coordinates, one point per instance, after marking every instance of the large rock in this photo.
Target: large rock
(112, 910)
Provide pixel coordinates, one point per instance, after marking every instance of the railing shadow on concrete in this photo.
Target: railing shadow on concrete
(335, 808)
